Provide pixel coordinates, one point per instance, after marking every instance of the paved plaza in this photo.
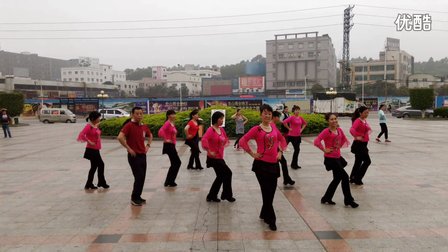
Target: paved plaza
(44, 207)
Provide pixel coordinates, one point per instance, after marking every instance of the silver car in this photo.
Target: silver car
(408, 111)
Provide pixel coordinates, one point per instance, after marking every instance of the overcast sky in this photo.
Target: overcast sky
(240, 28)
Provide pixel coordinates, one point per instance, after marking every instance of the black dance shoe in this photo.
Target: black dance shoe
(103, 185)
(353, 204)
(90, 187)
(209, 199)
(229, 199)
(326, 201)
(290, 181)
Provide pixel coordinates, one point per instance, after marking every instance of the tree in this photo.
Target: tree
(421, 98)
(138, 73)
(13, 102)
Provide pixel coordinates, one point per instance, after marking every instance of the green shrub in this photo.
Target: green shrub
(111, 127)
(13, 102)
(441, 112)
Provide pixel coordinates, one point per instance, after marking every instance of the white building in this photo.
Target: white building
(178, 79)
(424, 81)
(128, 88)
(90, 71)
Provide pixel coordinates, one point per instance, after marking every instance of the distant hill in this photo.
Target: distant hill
(437, 68)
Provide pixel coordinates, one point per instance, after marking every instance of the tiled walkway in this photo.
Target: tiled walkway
(43, 206)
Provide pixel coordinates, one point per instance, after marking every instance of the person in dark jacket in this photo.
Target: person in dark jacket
(6, 120)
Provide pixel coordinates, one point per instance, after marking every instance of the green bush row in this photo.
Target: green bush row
(441, 112)
(315, 122)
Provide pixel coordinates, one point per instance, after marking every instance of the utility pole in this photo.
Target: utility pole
(348, 16)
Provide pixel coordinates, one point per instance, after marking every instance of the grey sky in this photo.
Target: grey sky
(366, 40)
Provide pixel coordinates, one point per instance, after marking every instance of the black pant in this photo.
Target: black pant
(170, 150)
(362, 162)
(284, 164)
(268, 185)
(239, 136)
(96, 162)
(383, 131)
(223, 177)
(296, 144)
(339, 175)
(194, 157)
(6, 130)
(138, 167)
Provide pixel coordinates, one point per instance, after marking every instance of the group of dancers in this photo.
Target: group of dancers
(268, 156)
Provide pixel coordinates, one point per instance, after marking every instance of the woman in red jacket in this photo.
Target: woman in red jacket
(168, 133)
(92, 135)
(192, 140)
(214, 141)
(360, 130)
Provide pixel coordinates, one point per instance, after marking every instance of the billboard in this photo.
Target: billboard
(251, 82)
(156, 107)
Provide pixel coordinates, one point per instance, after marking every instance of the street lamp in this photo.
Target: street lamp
(102, 95)
(305, 87)
(362, 85)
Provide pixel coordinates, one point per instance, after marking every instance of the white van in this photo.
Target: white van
(112, 113)
(51, 115)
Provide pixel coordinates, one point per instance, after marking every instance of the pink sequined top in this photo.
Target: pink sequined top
(334, 141)
(268, 143)
(168, 132)
(92, 134)
(214, 142)
(296, 124)
(361, 128)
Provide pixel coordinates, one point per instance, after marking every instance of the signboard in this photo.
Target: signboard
(163, 106)
(222, 111)
(243, 104)
(371, 103)
(251, 82)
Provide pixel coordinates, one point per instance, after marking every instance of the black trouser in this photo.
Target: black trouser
(284, 164)
(223, 177)
(268, 185)
(138, 167)
(96, 162)
(383, 131)
(5, 128)
(170, 150)
(362, 162)
(239, 136)
(296, 144)
(194, 157)
(339, 175)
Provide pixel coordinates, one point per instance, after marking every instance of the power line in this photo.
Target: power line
(165, 36)
(166, 27)
(173, 19)
(392, 8)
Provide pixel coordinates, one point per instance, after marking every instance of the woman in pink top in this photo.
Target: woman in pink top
(360, 130)
(270, 146)
(168, 133)
(335, 139)
(92, 135)
(214, 141)
(295, 124)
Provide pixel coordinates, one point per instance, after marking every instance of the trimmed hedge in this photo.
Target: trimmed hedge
(441, 112)
(13, 102)
(111, 127)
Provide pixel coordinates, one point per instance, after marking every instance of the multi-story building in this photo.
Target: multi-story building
(128, 88)
(90, 71)
(31, 65)
(146, 83)
(424, 81)
(393, 65)
(159, 72)
(179, 79)
(295, 62)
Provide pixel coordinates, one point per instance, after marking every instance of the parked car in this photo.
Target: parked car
(408, 111)
(112, 113)
(51, 115)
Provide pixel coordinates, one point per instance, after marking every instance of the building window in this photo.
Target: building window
(65, 79)
(69, 72)
(81, 72)
(290, 46)
(76, 79)
(69, 79)
(310, 54)
(280, 46)
(76, 72)
(318, 44)
(310, 44)
(88, 72)
(300, 45)
(424, 79)
(82, 79)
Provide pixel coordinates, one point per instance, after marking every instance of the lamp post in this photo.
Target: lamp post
(362, 85)
(331, 92)
(102, 95)
(305, 87)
